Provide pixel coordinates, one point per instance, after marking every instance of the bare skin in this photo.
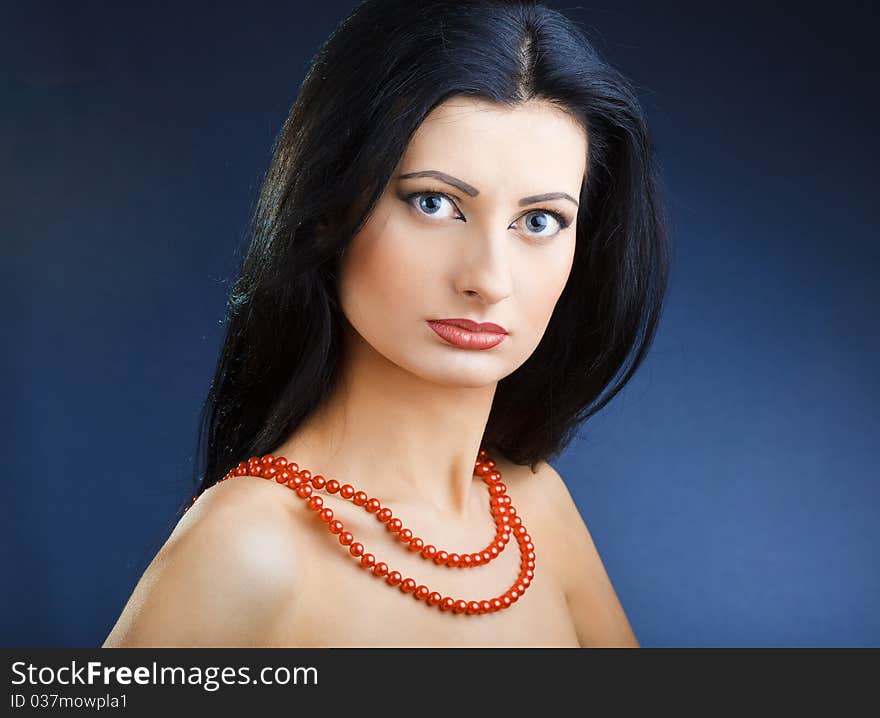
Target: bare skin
(342, 606)
(248, 565)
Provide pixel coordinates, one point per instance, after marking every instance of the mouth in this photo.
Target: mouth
(472, 326)
(459, 333)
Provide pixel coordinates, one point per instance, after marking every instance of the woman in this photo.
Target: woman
(458, 255)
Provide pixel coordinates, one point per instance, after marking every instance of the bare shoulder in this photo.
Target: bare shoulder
(599, 618)
(223, 578)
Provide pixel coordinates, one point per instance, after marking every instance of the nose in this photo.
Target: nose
(484, 267)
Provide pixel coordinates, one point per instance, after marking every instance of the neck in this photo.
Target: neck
(395, 435)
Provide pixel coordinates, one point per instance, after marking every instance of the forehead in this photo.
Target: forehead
(496, 147)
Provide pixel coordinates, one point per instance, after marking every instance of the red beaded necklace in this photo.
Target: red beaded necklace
(507, 522)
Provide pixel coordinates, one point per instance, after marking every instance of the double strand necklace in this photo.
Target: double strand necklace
(507, 522)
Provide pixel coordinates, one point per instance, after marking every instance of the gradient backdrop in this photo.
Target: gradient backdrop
(731, 489)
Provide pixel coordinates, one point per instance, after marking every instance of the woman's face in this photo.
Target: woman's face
(477, 244)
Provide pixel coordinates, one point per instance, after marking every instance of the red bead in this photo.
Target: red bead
(460, 606)
(316, 503)
(446, 603)
(356, 549)
(281, 461)
(304, 491)
(267, 459)
(465, 561)
(405, 535)
(429, 551)
(269, 472)
(305, 474)
(394, 525)
(421, 592)
(346, 538)
(416, 544)
(368, 560)
(453, 560)
(318, 481)
(373, 505)
(485, 607)
(434, 598)
(381, 569)
(359, 498)
(394, 578)
(384, 515)
(487, 556)
(332, 486)
(326, 515)
(408, 585)
(336, 526)
(496, 604)
(473, 608)
(346, 491)
(440, 557)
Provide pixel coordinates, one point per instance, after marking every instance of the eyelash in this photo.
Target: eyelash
(561, 219)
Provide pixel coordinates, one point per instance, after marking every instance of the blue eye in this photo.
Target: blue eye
(430, 204)
(541, 215)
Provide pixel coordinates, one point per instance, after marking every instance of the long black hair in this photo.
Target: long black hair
(369, 86)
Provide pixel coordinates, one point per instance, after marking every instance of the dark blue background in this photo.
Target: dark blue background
(731, 489)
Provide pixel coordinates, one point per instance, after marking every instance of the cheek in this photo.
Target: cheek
(545, 282)
(383, 274)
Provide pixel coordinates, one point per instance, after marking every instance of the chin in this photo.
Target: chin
(462, 377)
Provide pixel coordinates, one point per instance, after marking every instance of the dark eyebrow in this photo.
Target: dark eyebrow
(473, 191)
(549, 195)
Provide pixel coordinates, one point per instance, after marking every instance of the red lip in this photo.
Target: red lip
(465, 338)
(472, 326)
